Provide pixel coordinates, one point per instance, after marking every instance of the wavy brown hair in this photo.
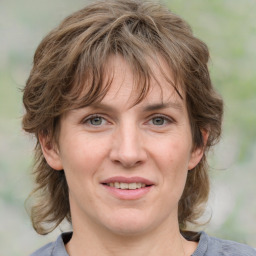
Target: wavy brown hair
(68, 72)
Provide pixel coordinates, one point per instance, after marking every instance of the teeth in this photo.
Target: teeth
(139, 185)
(122, 185)
(132, 186)
(117, 185)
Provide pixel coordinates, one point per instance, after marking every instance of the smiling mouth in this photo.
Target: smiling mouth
(130, 186)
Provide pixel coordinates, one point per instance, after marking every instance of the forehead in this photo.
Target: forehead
(125, 83)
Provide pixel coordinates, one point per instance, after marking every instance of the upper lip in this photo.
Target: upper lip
(128, 180)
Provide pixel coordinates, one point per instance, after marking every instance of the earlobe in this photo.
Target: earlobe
(198, 153)
(50, 153)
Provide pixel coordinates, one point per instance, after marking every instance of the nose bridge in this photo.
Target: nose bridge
(129, 139)
(127, 146)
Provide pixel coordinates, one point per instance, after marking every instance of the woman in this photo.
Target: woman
(124, 112)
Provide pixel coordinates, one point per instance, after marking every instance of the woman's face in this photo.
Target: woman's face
(126, 165)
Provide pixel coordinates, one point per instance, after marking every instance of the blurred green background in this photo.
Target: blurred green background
(229, 29)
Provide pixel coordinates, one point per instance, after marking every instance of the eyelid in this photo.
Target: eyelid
(103, 116)
(163, 116)
(91, 116)
(167, 118)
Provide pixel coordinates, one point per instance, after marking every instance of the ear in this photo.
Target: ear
(51, 153)
(198, 153)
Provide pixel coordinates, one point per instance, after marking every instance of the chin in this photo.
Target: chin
(128, 229)
(130, 223)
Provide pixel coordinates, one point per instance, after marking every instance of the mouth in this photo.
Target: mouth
(130, 186)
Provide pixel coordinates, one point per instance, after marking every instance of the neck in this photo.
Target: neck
(160, 241)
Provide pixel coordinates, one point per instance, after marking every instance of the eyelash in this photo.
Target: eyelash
(91, 117)
(167, 120)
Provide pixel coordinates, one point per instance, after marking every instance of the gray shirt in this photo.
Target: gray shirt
(207, 246)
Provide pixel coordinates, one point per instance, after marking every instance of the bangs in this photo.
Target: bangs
(92, 83)
(137, 40)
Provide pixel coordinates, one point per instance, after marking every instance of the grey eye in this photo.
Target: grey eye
(96, 121)
(158, 120)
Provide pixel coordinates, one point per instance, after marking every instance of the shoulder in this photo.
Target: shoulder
(56, 248)
(216, 246)
(44, 251)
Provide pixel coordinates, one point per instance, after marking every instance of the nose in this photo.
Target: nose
(127, 147)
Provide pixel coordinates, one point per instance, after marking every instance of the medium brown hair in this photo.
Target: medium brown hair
(68, 73)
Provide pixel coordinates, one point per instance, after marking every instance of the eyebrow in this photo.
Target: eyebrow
(148, 108)
(102, 106)
(160, 106)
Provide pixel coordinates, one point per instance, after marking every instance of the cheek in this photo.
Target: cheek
(82, 156)
(172, 154)
(172, 160)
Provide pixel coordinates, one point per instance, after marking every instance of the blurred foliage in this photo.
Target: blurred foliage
(229, 29)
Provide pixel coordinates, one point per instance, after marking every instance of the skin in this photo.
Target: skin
(151, 140)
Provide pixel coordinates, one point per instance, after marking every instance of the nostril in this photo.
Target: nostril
(128, 164)
(127, 155)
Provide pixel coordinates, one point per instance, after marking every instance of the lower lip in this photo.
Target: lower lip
(128, 194)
